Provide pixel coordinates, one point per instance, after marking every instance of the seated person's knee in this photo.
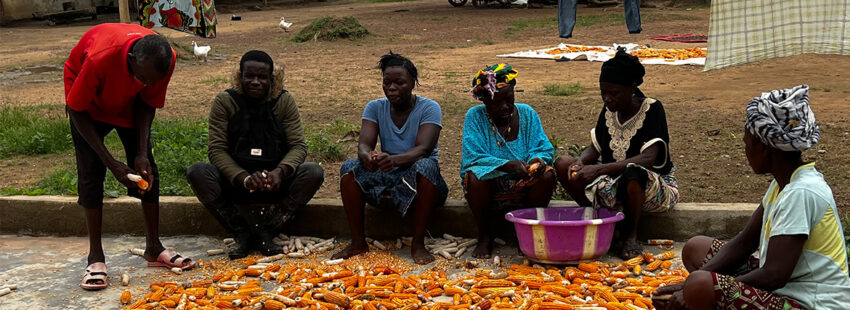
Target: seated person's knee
(563, 163)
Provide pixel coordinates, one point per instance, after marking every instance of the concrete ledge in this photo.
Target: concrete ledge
(60, 215)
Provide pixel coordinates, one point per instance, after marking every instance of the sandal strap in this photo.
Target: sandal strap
(177, 256)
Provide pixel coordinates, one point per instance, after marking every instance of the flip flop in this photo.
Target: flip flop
(169, 259)
(95, 272)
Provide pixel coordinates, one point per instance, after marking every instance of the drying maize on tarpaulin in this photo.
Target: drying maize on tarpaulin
(669, 54)
(381, 280)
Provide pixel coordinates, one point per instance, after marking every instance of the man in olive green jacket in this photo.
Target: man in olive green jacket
(256, 151)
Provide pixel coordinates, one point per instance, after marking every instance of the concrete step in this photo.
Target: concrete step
(61, 216)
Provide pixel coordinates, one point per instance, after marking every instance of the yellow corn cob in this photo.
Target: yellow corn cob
(337, 298)
(625, 295)
(272, 304)
(494, 283)
(654, 265)
(125, 297)
(637, 260)
(594, 276)
(454, 290)
(637, 270)
(607, 296)
(168, 303)
(157, 296)
(648, 257)
(668, 255)
(666, 265)
(588, 267)
(554, 306)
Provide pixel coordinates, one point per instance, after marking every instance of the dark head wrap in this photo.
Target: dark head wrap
(623, 69)
(491, 78)
(259, 56)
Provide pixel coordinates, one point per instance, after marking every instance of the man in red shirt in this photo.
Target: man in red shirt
(115, 79)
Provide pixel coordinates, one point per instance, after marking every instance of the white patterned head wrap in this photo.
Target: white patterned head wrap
(783, 119)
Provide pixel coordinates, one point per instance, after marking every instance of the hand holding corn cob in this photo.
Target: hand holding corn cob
(140, 182)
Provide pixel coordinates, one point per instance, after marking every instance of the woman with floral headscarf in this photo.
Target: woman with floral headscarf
(507, 157)
(628, 166)
(802, 259)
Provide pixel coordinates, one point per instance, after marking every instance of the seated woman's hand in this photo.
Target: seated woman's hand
(584, 174)
(676, 300)
(385, 162)
(541, 167)
(370, 161)
(519, 168)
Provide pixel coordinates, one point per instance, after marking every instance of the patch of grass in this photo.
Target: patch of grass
(561, 89)
(329, 28)
(216, 80)
(590, 20)
(699, 6)
(823, 89)
(488, 42)
(552, 22)
(177, 143)
(184, 52)
(322, 142)
(25, 132)
(683, 17)
(451, 74)
(518, 25)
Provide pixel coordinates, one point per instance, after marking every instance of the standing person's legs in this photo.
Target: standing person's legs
(210, 188)
(90, 175)
(150, 200)
(479, 195)
(632, 8)
(566, 18)
(150, 205)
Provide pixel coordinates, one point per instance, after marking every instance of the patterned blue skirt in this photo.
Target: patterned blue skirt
(396, 188)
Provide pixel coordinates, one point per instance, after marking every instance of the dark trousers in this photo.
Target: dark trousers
(567, 16)
(91, 171)
(220, 197)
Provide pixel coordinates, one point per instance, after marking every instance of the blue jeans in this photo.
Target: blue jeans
(567, 16)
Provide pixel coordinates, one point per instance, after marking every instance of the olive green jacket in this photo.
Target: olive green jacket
(224, 107)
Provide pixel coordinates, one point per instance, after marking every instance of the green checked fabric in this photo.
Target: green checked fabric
(753, 30)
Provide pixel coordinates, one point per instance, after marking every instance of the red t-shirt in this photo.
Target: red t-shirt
(98, 81)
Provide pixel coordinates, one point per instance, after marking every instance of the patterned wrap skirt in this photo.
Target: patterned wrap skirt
(733, 294)
(662, 191)
(396, 188)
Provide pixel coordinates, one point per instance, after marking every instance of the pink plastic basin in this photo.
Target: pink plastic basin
(560, 235)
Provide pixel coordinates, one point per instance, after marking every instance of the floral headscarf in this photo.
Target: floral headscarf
(493, 77)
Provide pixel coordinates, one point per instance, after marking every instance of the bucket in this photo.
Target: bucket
(561, 235)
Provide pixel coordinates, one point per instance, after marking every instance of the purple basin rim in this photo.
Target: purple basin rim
(515, 219)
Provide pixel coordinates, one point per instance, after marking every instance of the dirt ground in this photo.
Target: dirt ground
(334, 80)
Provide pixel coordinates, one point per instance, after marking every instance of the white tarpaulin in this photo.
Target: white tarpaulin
(598, 53)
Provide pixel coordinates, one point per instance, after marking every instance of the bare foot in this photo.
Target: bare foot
(355, 248)
(152, 252)
(484, 249)
(420, 254)
(631, 249)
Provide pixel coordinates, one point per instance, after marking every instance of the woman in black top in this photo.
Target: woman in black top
(628, 167)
